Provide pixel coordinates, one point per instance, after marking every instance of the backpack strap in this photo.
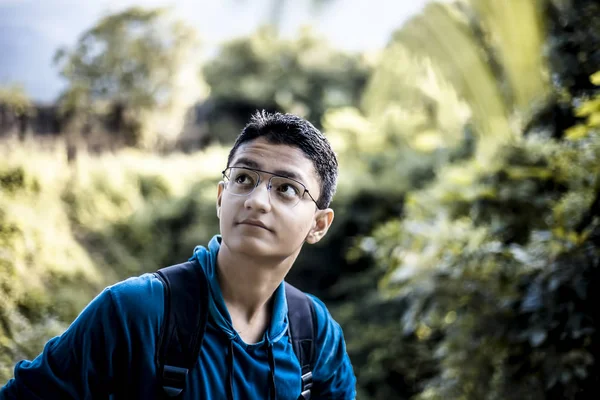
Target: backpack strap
(185, 315)
(302, 332)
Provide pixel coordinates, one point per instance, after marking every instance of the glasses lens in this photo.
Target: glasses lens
(242, 181)
(286, 191)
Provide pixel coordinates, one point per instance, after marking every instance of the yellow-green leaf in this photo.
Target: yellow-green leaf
(576, 132)
(528, 173)
(595, 78)
(427, 141)
(594, 120)
(588, 107)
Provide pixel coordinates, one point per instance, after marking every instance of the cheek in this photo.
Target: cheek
(300, 226)
(227, 212)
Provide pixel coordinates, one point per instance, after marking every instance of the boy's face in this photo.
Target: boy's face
(285, 227)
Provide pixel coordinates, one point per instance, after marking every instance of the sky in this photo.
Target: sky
(32, 30)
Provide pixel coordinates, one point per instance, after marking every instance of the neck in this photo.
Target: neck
(247, 283)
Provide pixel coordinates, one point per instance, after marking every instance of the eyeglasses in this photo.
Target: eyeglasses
(243, 181)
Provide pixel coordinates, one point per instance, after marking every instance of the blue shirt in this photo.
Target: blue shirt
(109, 350)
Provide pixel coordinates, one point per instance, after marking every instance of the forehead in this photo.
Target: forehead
(280, 159)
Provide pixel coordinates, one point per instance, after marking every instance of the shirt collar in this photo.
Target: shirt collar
(207, 258)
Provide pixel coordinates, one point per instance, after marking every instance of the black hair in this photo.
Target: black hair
(292, 130)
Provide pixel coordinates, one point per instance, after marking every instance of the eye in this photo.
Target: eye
(243, 179)
(288, 190)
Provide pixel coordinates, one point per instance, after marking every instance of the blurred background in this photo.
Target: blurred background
(466, 243)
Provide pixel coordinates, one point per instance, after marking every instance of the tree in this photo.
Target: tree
(305, 76)
(125, 65)
(486, 287)
(489, 269)
(15, 108)
(497, 259)
(491, 53)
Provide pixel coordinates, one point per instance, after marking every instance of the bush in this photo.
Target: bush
(67, 231)
(492, 264)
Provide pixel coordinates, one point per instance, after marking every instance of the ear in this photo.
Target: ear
(321, 224)
(220, 189)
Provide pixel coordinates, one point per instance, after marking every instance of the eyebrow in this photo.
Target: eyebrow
(253, 164)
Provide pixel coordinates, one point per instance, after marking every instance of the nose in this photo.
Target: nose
(260, 198)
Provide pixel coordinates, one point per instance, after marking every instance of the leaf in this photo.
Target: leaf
(576, 132)
(588, 108)
(595, 78)
(594, 120)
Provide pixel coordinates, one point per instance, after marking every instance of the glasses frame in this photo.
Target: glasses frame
(306, 191)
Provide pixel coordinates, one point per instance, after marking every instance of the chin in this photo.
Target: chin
(251, 245)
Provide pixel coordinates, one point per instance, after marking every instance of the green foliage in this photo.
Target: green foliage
(494, 263)
(305, 76)
(160, 233)
(466, 241)
(67, 231)
(45, 275)
(16, 100)
(125, 58)
(125, 65)
(573, 42)
(490, 53)
(421, 119)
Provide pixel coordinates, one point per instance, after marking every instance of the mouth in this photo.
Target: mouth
(253, 222)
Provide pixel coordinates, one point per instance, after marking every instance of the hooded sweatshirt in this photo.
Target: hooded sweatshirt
(109, 351)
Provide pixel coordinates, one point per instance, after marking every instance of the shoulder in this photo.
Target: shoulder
(323, 317)
(131, 296)
(136, 289)
(137, 296)
(126, 315)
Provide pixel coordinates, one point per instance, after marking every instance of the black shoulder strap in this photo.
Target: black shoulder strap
(184, 324)
(302, 331)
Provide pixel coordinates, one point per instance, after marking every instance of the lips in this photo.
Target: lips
(254, 222)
